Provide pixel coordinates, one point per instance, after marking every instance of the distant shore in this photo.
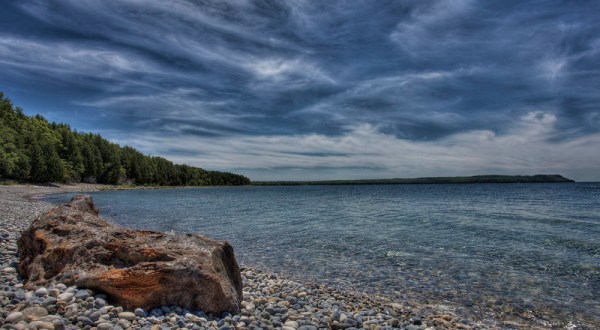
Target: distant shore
(539, 178)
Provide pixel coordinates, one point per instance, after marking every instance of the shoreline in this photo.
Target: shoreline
(270, 300)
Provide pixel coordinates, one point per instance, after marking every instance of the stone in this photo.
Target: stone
(307, 327)
(139, 312)
(396, 306)
(9, 270)
(104, 326)
(85, 320)
(156, 312)
(99, 303)
(49, 301)
(343, 318)
(129, 316)
(66, 296)
(250, 307)
(34, 313)
(71, 310)
(15, 317)
(71, 244)
(41, 325)
(291, 324)
(82, 294)
(124, 324)
(50, 318)
(41, 292)
(95, 316)
(336, 315)
(59, 324)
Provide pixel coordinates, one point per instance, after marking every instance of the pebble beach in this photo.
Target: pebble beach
(270, 300)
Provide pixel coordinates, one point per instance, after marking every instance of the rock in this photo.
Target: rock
(343, 318)
(291, 324)
(124, 324)
(59, 324)
(34, 313)
(99, 303)
(41, 292)
(396, 306)
(41, 325)
(53, 292)
(71, 310)
(129, 316)
(72, 245)
(339, 326)
(95, 316)
(85, 320)
(139, 312)
(104, 326)
(307, 327)
(15, 317)
(67, 296)
(61, 286)
(50, 318)
(250, 307)
(49, 301)
(156, 312)
(336, 315)
(82, 294)
(9, 270)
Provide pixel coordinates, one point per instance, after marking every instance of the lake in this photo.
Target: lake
(527, 250)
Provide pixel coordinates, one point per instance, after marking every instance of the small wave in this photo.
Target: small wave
(392, 254)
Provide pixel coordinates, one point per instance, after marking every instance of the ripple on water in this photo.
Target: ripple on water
(528, 250)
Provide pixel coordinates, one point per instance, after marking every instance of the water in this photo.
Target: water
(529, 251)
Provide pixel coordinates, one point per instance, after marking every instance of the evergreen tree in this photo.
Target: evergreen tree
(33, 149)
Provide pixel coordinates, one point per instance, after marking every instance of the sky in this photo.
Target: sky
(308, 90)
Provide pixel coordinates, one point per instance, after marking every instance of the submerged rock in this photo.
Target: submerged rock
(73, 245)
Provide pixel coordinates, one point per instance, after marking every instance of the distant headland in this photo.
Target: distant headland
(538, 178)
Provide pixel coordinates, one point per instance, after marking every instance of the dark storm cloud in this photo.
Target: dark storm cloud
(420, 71)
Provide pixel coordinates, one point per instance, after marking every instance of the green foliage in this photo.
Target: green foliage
(32, 149)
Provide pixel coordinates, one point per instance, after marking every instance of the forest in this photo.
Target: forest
(34, 150)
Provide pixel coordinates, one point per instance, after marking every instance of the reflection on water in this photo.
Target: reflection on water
(527, 250)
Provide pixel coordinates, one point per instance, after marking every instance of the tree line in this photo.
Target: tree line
(32, 149)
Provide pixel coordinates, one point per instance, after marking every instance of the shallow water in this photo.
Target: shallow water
(528, 251)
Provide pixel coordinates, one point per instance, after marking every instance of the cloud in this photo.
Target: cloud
(278, 69)
(432, 25)
(315, 82)
(64, 58)
(365, 149)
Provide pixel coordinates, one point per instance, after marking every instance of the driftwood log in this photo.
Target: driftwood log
(134, 268)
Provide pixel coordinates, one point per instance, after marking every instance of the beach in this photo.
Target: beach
(270, 300)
